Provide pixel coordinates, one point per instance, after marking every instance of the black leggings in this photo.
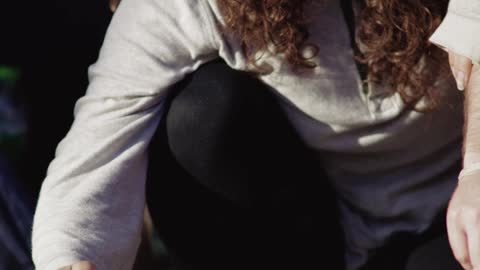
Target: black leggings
(231, 185)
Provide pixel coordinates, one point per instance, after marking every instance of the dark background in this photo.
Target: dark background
(52, 43)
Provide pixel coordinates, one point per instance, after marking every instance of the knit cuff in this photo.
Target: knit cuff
(459, 32)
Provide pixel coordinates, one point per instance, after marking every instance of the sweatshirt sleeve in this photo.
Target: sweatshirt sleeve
(91, 202)
(459, 31)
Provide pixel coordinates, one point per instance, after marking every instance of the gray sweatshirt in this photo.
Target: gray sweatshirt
(394, 169)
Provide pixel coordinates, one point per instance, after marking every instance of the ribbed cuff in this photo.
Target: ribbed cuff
(472, 169)
(58, 263)
(459, 33)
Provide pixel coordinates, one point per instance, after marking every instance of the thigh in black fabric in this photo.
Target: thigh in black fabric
(231, 185)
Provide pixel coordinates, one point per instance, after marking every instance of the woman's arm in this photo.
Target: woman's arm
(463, 216)
(92, 200)
(459, 35)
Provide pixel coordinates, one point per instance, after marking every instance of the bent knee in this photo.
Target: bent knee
(214, 104)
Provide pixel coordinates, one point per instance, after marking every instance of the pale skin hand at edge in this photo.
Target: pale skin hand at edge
(463, 215)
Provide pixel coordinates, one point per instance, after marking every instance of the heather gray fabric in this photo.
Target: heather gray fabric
(394, 169)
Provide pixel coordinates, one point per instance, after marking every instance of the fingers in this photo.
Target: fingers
(79, 266)
(458, 240)
(472, 225)
(461, 68)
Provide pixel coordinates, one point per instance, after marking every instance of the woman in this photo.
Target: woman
(241, 168)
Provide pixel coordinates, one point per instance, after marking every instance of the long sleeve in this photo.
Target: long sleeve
(92, 200)
(459, 31)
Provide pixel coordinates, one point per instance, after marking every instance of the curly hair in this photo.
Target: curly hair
(393, 33)
(394, 36)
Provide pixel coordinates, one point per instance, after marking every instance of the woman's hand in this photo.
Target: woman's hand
(461, 68)
(463, 215)
(79, 266)
(463, 222)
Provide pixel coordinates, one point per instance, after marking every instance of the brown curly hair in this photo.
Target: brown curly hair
(394, 35)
